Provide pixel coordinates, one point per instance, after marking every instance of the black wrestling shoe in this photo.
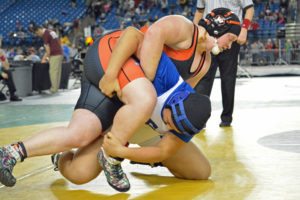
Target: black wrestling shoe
(225, 124)
(7, 163)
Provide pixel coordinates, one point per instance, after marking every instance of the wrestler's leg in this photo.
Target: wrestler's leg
(139, 97)
(83, 128)
(189, 163)
(81, 166)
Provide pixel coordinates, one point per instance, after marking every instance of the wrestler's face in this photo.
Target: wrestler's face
(167, 117)
(225, 41)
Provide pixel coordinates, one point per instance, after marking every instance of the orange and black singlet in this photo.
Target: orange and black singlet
(183, 59)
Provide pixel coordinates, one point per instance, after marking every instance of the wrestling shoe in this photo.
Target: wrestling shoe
(115, 176)
(7, 163)
(54, 160)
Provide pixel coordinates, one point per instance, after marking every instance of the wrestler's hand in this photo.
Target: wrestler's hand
(112, 146)
(109, 85)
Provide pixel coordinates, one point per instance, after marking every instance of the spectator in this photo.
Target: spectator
(267, 9)
(64, 12)
(284, 4)
(98, 31)
(73, 51)
(294, 52)
(298, 52)
(293, 10)
(20, 55)
(12, 53)
(288, 51)
(73, 3)
(275, 49)
(75, 25)
(255, 52)
(66, 51)
(41, 52)
(269, 51)
(64, 39)
(255, 27)
(262, 52)
(281, 19)
(54, 53)
(6, 74)
(164, 6)
(32, 56)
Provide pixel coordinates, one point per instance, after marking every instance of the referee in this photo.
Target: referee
(227, 60)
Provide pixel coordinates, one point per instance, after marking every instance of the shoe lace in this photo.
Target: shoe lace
(117, 169)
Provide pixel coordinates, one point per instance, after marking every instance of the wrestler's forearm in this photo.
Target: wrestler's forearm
(167, 147)
(127, 45)
(150, 154)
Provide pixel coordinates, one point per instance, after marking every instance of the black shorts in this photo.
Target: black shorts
(91, 98)
(95, 64)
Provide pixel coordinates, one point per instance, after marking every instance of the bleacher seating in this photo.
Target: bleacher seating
(114, 23)
(24, 11)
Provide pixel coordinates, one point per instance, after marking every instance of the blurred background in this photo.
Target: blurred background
(273, 38)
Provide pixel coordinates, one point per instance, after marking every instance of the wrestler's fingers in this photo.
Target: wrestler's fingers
(118, 91)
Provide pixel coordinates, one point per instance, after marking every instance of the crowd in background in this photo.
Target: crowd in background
(257, 51)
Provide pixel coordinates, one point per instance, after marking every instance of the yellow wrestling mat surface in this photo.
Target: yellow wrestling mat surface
(258, 158)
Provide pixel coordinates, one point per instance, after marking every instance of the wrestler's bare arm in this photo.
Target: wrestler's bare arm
(167, 147)
(174, 30)
(127, 45)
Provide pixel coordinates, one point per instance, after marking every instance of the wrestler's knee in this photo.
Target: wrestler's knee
(79, 174)
(80, 180)
(145, 101)
(76, 138)
(202, 173)
(147, 105)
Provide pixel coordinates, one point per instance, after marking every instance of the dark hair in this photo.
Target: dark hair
(220, 21)
(36, 27)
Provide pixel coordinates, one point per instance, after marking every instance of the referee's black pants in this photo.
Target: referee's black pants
(227, 63)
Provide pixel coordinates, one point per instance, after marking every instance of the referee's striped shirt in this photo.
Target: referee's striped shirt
(236, 6)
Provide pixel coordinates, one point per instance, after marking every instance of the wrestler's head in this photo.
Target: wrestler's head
(189, 112)
(224, 25)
